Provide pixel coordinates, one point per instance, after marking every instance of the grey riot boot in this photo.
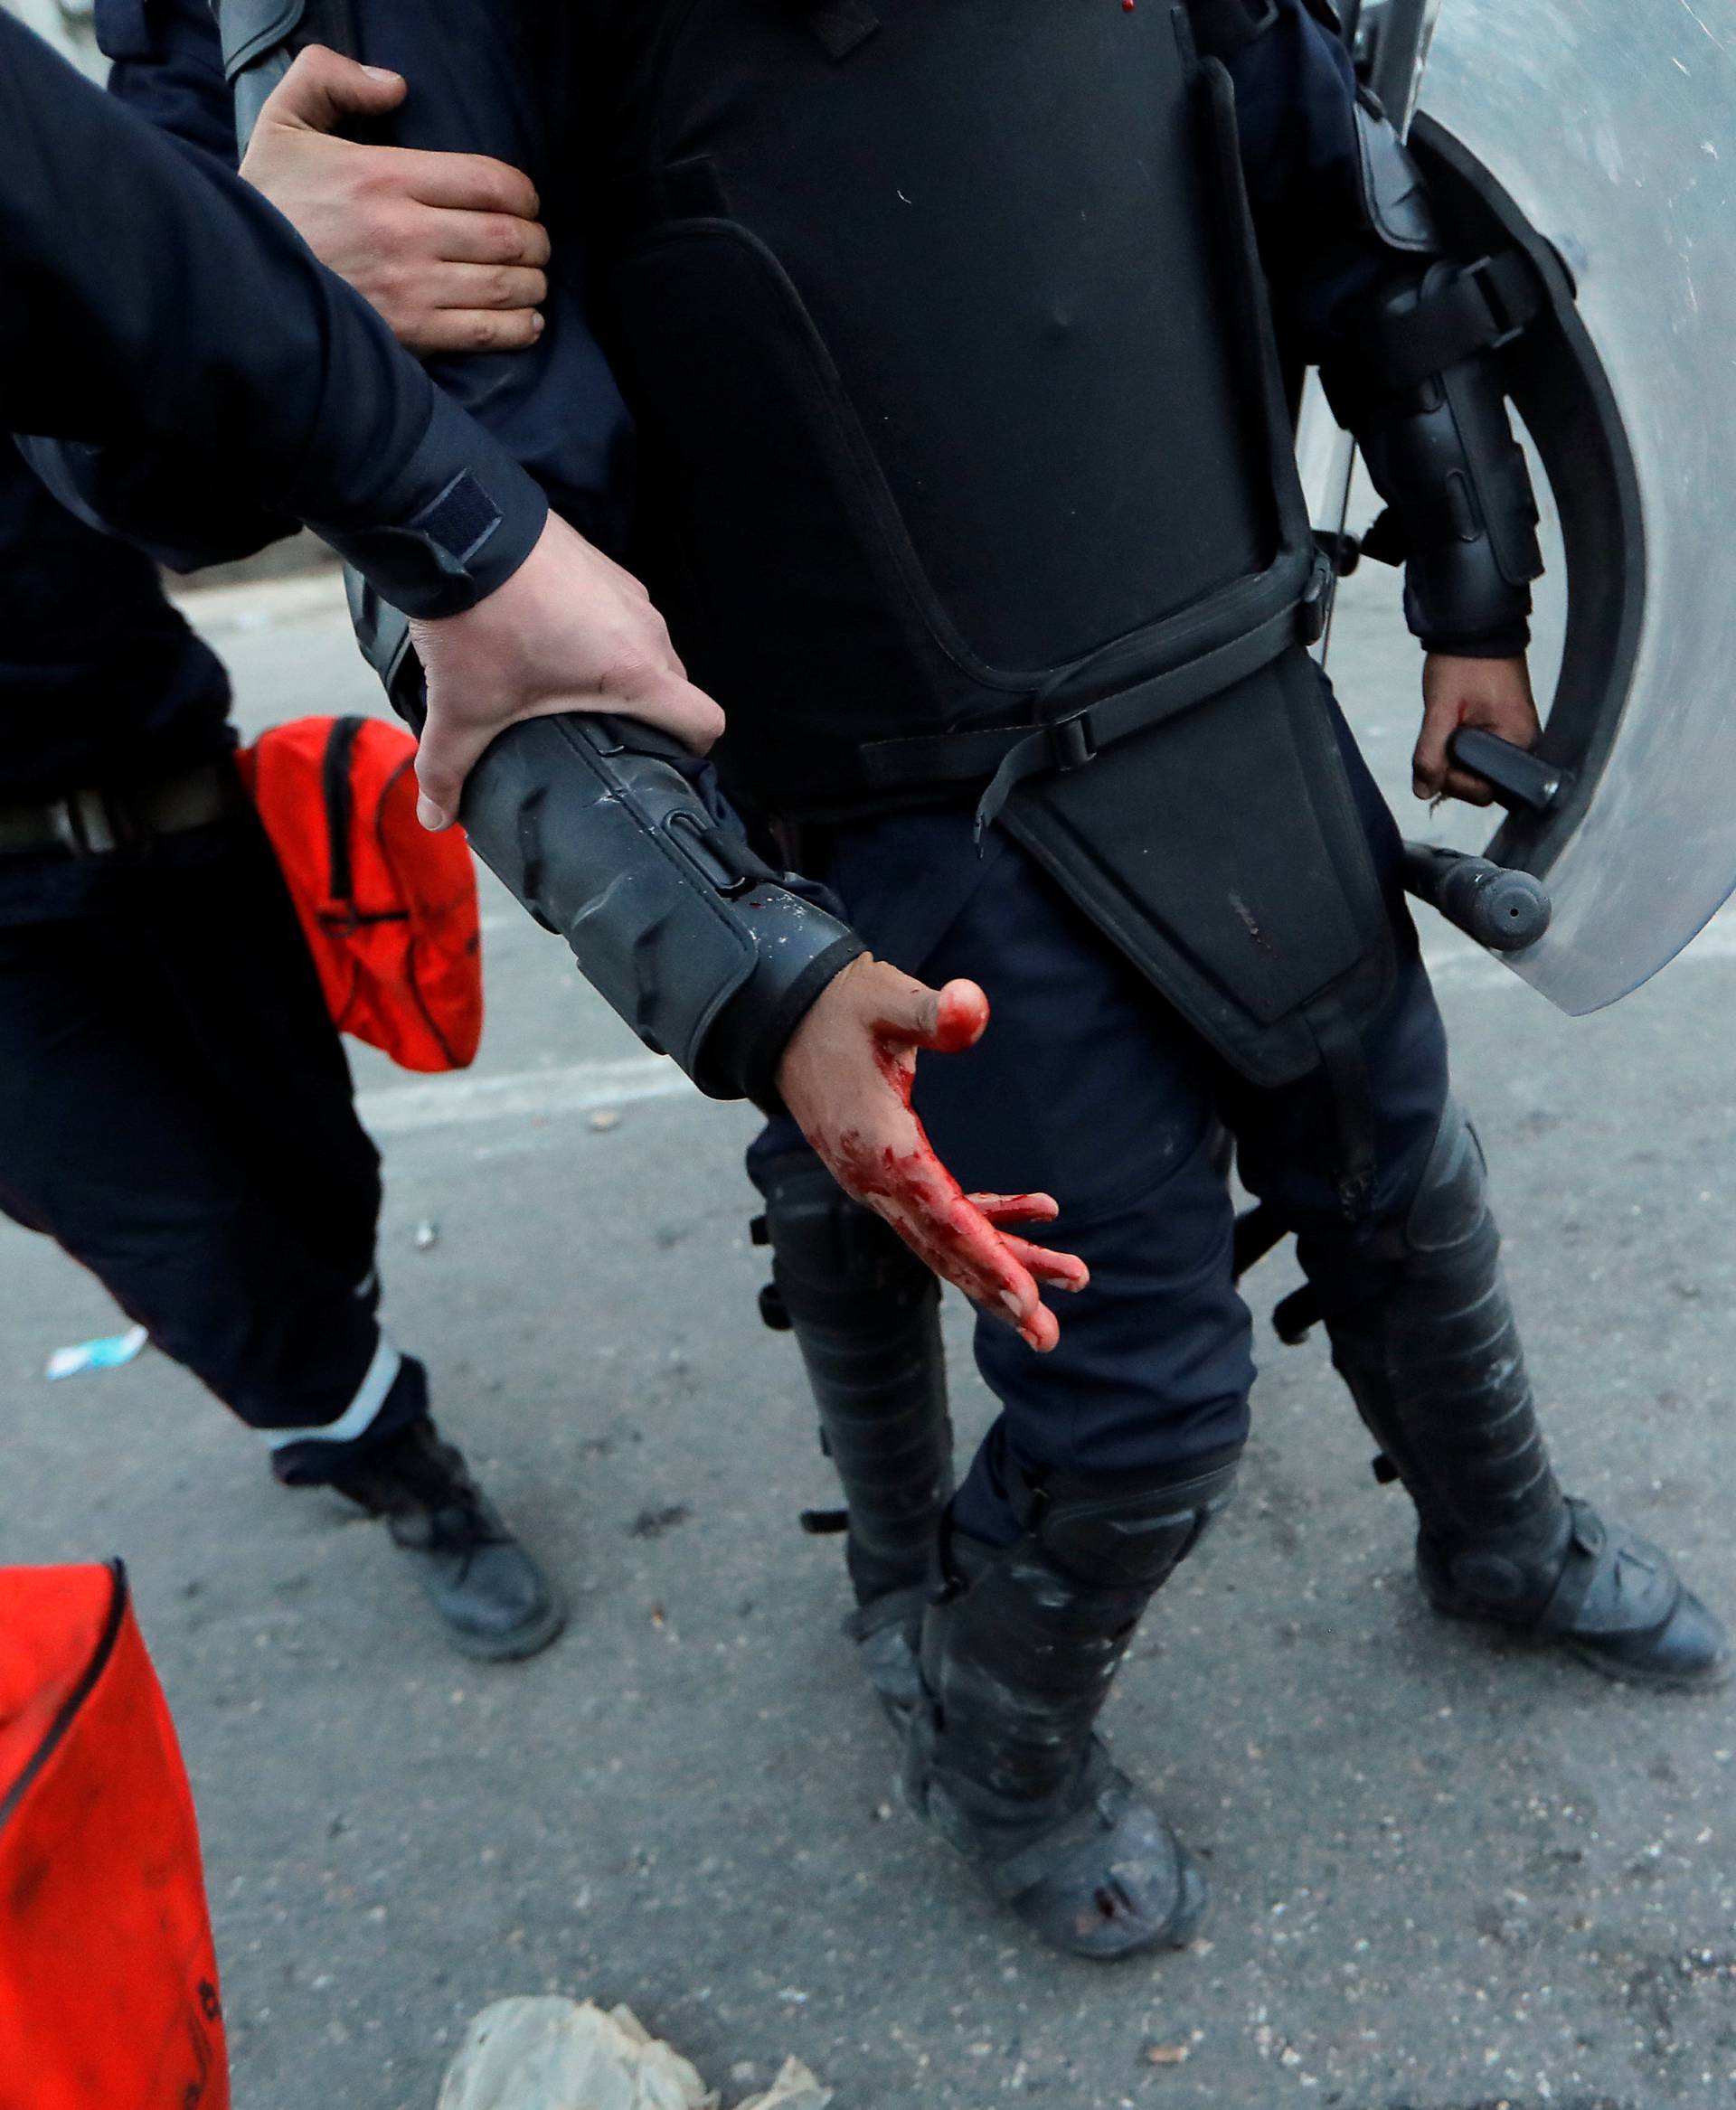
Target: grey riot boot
(1020, 1645)
(1436, 1368)
(497, 1603)
(866, 1315)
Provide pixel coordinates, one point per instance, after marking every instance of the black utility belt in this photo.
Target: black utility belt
(103, 819)
(1288, 608)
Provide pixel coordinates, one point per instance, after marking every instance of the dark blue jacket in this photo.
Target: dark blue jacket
(100, 680)
(130, 268)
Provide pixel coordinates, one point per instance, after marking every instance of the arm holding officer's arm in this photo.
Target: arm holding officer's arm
(153, 301)
(602, 825)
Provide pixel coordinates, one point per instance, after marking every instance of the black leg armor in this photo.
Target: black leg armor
(1020, 1645)
(866, 1315)
(1435, 1365)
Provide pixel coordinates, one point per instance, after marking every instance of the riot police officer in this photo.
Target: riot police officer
(954, 339)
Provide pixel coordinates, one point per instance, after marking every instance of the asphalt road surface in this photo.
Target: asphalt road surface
(1447, 1873)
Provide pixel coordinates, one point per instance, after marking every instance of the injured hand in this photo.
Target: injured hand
(847, 1078)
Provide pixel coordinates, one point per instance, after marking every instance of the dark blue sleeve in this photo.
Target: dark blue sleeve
(486, 79)
(167, 65)
(497, 78)
(150, 300)
(1295, 108)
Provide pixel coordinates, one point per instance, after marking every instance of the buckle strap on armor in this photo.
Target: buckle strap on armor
(1480, 307)
(1069, 741)
(1104, 1791)
(1009, 754)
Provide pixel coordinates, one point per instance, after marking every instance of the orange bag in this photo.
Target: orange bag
(107, 1978)
(389, 911)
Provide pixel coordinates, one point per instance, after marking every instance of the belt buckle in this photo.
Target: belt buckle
(85, 824)
(1071, 742)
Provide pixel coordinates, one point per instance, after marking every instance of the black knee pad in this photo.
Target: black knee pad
(1128, 1533)
(1451, 1204)
(1441, 1231)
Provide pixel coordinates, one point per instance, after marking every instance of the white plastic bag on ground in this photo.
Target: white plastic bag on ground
(549, 2053)
(794, 2089)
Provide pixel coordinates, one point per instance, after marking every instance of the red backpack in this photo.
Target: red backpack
(108, 1995)
(390, 910)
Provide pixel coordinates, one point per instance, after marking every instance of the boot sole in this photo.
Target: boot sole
(1707, 1681)
(1176, 1932)
(528, 1640)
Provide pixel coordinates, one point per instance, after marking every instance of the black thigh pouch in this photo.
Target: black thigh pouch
(1223, 852)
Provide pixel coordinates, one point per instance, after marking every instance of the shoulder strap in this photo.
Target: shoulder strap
(340, 807)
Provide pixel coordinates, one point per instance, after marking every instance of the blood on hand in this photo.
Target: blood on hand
(965, 1237)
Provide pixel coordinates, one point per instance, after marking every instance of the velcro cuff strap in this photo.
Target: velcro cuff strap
(459, 519)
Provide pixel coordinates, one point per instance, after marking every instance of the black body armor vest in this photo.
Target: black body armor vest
(967, 463)
(952, 374)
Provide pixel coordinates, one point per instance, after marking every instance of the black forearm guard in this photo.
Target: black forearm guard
(1411, 373)
(1403, 335)
(703, 949)
(597, 827)
(1461, 514)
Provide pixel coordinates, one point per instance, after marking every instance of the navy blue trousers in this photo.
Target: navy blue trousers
(176, 1113)
(1087, 1085)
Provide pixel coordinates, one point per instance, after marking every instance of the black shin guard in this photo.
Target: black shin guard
(866, 1315)
(1434, 1362)
(1020, 1646)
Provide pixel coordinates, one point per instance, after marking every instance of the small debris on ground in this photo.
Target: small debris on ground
(427, 1235)
(549, 2053)
(109, 1352)
(652, 1524)
(603, 1120)
(1167, 2054)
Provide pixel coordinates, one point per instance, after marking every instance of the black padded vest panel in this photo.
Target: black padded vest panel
(950, 367)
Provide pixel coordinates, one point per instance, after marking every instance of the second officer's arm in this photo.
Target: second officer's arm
(1401, 332)
(152, 305)
(149, 300)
